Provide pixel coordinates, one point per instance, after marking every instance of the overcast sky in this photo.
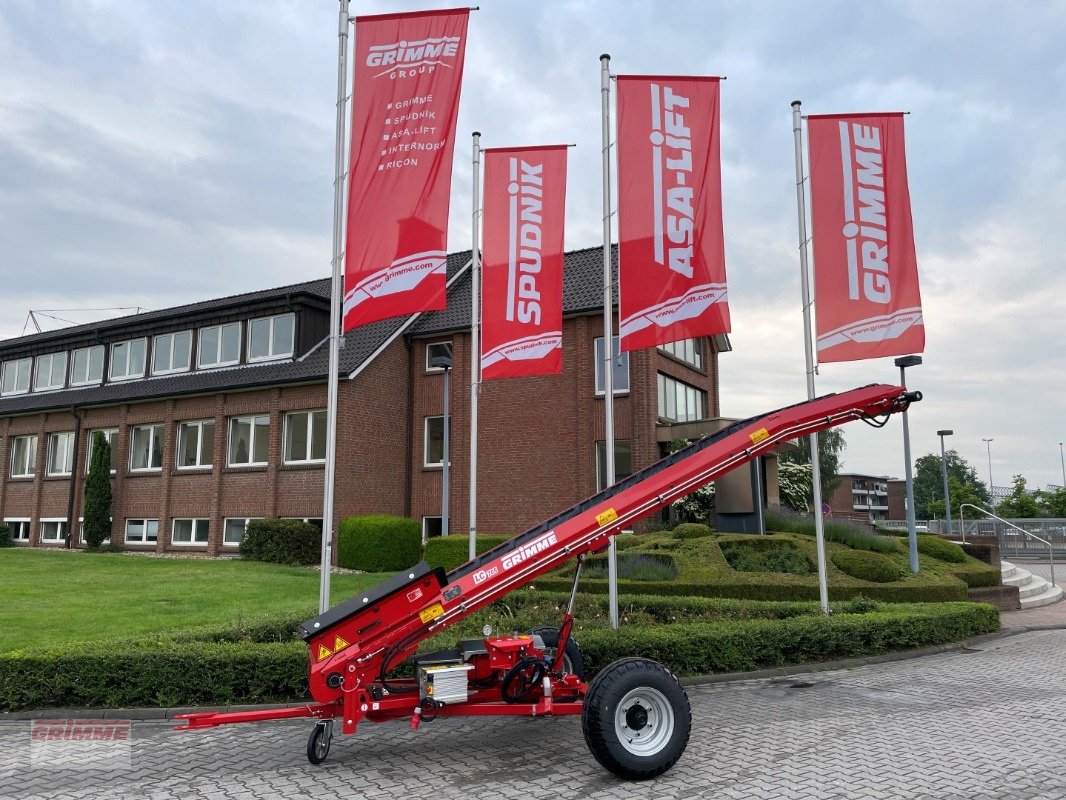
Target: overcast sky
(157, 153)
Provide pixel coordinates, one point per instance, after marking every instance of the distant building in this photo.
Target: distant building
(863, 497)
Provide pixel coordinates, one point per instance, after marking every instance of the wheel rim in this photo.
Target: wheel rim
(644, 721)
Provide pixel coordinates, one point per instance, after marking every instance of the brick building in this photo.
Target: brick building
(215, 413)
(862, 497)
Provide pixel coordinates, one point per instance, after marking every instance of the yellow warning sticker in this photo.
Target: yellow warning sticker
(610, 515)
(339, 645)
(432, 612)
(760, 435)
(324, 652)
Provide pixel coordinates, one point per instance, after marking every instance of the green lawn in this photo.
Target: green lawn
(52, 598)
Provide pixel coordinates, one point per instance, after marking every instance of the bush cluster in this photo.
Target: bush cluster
(773, 559)
(5, 535)
(282, 541)
(379, 543)
(854, 536)
(867, 566)
(634, 567)
(940, 549)
(454, 551)
(691, 530)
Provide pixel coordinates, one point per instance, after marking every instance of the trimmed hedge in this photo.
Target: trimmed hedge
(282, 541)
(867, 566)
(5, 536)
(454, 551)
(691, 530)
(379, 543)
(940, 549)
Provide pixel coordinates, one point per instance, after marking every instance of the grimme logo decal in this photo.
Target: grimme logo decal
(864, 175)
(406, 59)
(538, 545)
(484, 574)
(671, 147)
(524, 241)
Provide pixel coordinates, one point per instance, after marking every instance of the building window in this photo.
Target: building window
(51, 372)
(23, 456)
(305, 437)
(434, 349)
(172, 352)
(434, 442)
(220, 345)
(16, 376)
(249, 441)
(271, 337)
(142, 531)
(81, 531)
(688, 350)
(60, 453)
(53, 530)
(431, 527)
(127, 359)
(87, 365)
(236, 527)
(621, 367)
(196, 444)
(146, 448)
(623, 462)
(678, 401)
(190, 531)
(20, 529)
(111, 435)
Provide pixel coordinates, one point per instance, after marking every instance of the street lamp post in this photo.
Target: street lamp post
(445, 362)
(1063, 462)
(912, 533)
(944, 469)
(991, 497)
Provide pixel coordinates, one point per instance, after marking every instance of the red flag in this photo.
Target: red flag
(408, 70)
(522, 284)
(671, 281)
(865, 270)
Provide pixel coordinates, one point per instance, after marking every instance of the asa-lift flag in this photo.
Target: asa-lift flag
(672, 277)
(408, 70)
(867, 300)
(522, 261)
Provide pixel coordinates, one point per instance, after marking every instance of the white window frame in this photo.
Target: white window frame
(225, 529)
(179, 450)
(89, 380)
(49, 359)
(144, 540)
(81, 531)
(425, 443)
(31, 450)
(60, 523)
(598, 376)
(309, 449)
(194, 528)
(15, 365)
(111, 434)
(12, 521)
(127, 375)
(681, 349)
(271, 355)
(249, 418)
(52, 468)
(429, 355)
(171, 369)
(218, 349)
(667, 385)
(162, 446)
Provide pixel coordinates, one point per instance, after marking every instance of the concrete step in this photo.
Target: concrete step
(1007, 569)
(1019, 578)
(1034, 586)
(1051, 595)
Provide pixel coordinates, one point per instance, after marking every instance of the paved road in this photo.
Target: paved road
(978, 724)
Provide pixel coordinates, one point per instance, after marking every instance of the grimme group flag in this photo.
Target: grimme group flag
(865, 270)
(408, 71)
(522, 283)
(671, 280)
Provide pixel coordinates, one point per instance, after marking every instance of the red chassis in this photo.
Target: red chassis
(355, 646)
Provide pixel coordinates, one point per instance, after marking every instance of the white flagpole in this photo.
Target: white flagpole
(329, 478)
(475, 340)
(808, 342)
(608, 331)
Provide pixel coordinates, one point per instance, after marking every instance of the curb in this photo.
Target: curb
(165, 714)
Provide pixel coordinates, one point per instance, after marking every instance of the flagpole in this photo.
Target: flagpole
(329, 477)
(608, 331)
(475, 341)
(808, 344)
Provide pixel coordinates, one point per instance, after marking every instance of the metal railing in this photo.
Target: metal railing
(1006, 529)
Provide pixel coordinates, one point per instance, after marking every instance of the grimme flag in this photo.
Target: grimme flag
(522, 283)
(408, 71)
(671, 280)
(865, 270)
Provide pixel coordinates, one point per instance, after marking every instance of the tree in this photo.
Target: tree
(1052, 502)
(961, 493)
(98, 493)
(1019, 503)
(794, 486)
(929, 483)
(831, 445)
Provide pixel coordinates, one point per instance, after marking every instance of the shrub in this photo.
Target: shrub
(941, 549)
(282, 541)
(98, 493)
(5, 535)
(634, 567)
(854, 536)
(454, 551)
(867, 566)
(691, 530)
(774, 559)
(379, 543)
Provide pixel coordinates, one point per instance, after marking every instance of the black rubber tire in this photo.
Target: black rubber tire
(573, 658)
(318, 743)
(636, 677)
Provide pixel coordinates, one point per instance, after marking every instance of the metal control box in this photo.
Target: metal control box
(444, 683)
